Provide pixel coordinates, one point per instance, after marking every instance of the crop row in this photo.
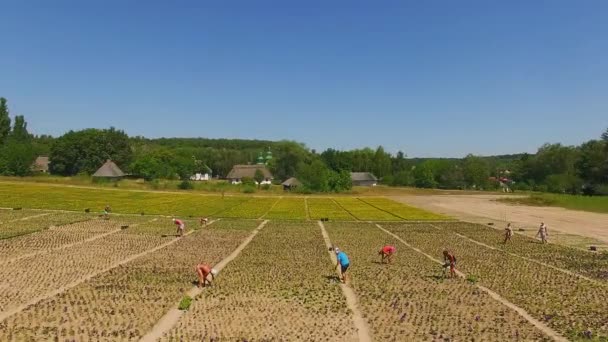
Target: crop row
(287, 208)
(364, 211)
(254, 208)
(403, 211)
(570, 305)
(34, 276)
(31, 221)
(590, 264)
(275, 290)
(408, 300)
(319, 208)
(124, 303)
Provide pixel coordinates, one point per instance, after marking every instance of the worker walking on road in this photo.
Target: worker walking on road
(203, 271)
(387, 252)
(449, 260)
(543, 232)
(180, 226)
(343, 263)
(508, 233)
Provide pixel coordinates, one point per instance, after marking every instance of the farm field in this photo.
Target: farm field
(408, 300)
(183, 204)
(363, 211)
(319, 208)
(288, 208)
(251, 209)
(263, 295)
(570, 305)
(125, 302)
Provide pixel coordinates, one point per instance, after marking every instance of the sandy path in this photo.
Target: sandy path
(484, 208)
(29, 217)
(538, 324)
(168, 321)
(351, 298)
(4, 315)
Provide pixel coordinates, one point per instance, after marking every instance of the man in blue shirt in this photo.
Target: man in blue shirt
(343, 262)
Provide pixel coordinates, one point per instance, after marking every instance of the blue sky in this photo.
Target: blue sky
(431, 78)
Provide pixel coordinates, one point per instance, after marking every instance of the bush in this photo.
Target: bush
(185, 303)
(266, 187)
(249, 189)
(185, 185)
(247, 181)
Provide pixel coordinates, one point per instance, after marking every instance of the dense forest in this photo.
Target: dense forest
(553, 168)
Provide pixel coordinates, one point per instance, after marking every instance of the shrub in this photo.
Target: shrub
(247, 181)
(185, 303)
(266, 187)
(249, 189)
(185, 185)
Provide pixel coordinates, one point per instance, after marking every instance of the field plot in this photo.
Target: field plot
(56, 237)
(252, 209)
(288, 209)
(364, 211)
(572, 306)
(327, 208)
(126, 302)
(403, 211)
(407, 300)
(590, 264)
(8, 215)
(264, 295)
(31, 277)
(22, 222)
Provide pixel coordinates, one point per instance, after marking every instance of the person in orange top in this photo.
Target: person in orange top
(387, 252)
(203, 271)
(449, 261)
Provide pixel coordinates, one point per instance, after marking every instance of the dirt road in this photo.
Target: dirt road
(484, 209)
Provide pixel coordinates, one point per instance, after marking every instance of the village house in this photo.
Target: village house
(109, 170)
(363, 179)
(41, 165)
(238, 172)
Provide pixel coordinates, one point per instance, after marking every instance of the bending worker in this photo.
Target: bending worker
(343, 262)
(387, 253)
(203, 271)
(449, 261)
(180, 226)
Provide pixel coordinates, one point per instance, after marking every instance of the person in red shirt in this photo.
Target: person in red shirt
(180, 226)
(387, 252)
(203, 271)
(449, 261)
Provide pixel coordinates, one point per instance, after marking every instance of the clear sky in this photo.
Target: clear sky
(431, 78)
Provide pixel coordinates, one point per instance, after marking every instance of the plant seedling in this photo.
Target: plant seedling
(185, 303)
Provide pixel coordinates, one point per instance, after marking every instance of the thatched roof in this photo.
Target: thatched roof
(41, 164)
(109, 170)
(362, 176)
(240, 171)
(291, 182)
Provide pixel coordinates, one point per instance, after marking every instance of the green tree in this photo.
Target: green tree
(591, 160)
(5, 120)
(339, 181)
(86, 150)
(19, 132)
(476, 171)
(258, 177)
(315, 176)
(424, 177)
(381, 163)
(288, 155)
(16, 158)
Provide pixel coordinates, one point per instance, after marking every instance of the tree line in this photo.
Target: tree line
(553, 168)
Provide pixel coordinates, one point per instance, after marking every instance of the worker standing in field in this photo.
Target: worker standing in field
(106, 212)
(387, 252)
(203, 271)
(508, 233)
(180, 226)
(449, 260)
(343, 263)
(204, 221)
(543, 232)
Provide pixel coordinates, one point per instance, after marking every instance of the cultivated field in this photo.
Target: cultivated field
(72, 276)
